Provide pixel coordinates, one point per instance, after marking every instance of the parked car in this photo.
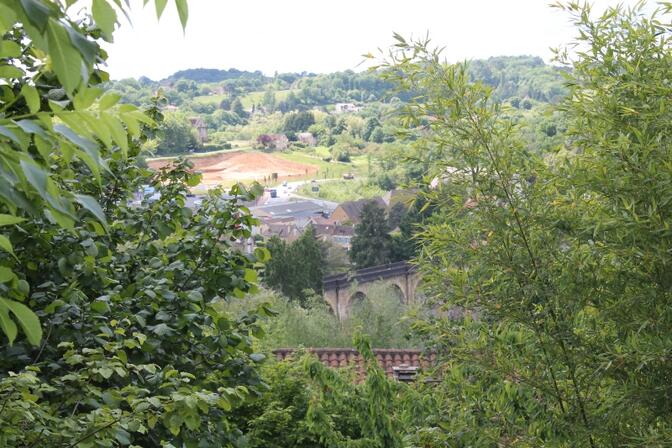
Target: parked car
(348, 176)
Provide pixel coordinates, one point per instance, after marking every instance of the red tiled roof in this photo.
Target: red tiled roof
(388, 359)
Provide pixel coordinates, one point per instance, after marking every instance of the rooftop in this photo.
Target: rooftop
(296, 209)
(388, 359)
(354, 208)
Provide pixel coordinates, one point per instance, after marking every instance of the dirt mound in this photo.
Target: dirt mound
(235, 166)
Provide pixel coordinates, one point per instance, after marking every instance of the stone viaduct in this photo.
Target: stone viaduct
(341, 291)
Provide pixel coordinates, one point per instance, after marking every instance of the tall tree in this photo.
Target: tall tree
(295, 267)
(372, 243)
(298, 121)
(176, 135)
(269, 101)
(131, 346)
(237, 108)
(571, 343)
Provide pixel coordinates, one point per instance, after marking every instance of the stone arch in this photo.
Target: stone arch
(398, 290)
(357, 297)
(341, 290)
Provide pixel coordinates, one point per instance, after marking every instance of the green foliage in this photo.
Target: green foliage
(550, 276)
(342, 190)
(372, 243)
(278, 418)
(130, 347)
(516, 77)
(295, 267)
(313, 324)
(56, 126)
(136, 349)
(369, 406)
(215, 75)
(298, 121)
(372, 123)
(176, 135)
(396, 215)
(237, 108)
(309, 405)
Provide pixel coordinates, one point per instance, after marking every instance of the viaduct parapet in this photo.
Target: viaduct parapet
(341, 291)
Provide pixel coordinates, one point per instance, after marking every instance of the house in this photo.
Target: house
(287, 231)
(348, 212)
(201, 129)
(293, 210)
(342, 108)
(335, 233)
(322, 220)
(306, 138)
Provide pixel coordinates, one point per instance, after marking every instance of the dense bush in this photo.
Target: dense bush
(121, 341)
(314, 324)
(560, 266)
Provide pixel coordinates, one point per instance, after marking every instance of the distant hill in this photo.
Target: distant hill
(516, 79)
(520, 76)
(215, 75)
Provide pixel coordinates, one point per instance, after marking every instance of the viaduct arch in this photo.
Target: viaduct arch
(342, 290)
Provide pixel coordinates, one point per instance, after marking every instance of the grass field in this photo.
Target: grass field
(342, 190)
(209, 99)
(322, 151)
(247, 100)
(257, 97)
(330, 170)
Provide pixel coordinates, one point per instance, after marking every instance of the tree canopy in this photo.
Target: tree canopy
(123, 339)
(372, 243)
(295, 268)
(558, 267)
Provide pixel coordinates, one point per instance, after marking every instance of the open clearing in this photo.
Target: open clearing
(227, 168)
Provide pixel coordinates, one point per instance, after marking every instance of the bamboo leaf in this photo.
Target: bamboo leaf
(8, 220)
(182, 11)
(160, 6)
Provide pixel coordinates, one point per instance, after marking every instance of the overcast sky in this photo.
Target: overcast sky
(326, 35)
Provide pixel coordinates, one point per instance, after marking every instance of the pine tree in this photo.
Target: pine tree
(372, 243)
(237, 108)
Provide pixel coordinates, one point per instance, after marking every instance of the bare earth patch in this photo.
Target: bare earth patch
(235, 166)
